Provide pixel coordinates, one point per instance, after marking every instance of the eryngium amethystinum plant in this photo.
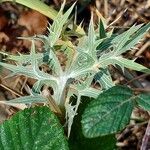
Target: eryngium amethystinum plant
(87, 62)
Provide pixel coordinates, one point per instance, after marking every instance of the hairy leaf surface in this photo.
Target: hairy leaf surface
(35, 128)
(143, 100)
(109, 113)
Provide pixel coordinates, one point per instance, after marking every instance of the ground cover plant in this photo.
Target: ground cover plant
(79, 93)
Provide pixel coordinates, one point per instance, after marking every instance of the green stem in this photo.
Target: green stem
(38, 6)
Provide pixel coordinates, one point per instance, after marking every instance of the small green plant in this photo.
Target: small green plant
(87, 62)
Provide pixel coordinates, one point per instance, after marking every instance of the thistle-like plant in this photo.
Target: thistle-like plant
(87, 62)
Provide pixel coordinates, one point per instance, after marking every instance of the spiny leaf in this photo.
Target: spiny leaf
(125, 41)
(91, 39)
(27, 71)
(83, 61)
(123, 38)
(56, 28)
(110, 58)
(38, 85)
(122, 62)
(54, 63)
(103, 77)
(105, 45)
(21, 70)
(109, 113)
(27, 100)
(135, 38)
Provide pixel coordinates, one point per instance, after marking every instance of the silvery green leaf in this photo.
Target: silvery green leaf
(38, 85)
(71, 111)
(69, 52)
(91, 39)
(106, 44)
(135, 38)
(59, 21)
(24, 59)
(83, 82)
(103, 77)
(27, 100)
(35, 66)
(123, 38)
(19, 70)
(110, 58)
(130, 64)
(90, 92)
(81, 65)
(125, 41)
(54, 63)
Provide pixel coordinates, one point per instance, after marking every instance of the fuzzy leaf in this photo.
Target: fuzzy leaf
(27, 128)
(109, 113)
(77, 141)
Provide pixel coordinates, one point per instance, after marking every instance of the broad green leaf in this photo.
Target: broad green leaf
(109, 113)
(143, 100)
(77, 141)
(35, 128)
